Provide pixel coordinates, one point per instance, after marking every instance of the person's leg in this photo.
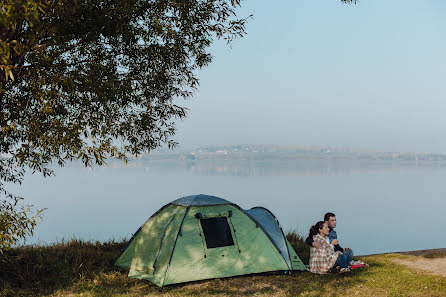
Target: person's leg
(341, 261)
(349, 254)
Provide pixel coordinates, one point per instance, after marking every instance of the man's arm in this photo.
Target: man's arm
(312, 243)
(309, 240)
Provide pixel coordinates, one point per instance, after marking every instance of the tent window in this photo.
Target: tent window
(216, 232)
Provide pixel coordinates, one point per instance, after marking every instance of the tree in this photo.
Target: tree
(93, 79)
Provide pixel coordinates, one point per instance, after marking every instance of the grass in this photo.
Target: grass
(42, 269)
(434, 255)
(78, 268)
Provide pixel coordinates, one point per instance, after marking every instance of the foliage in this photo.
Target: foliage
(299, 245)
(98, 78)
(15, 222)
(93, 79)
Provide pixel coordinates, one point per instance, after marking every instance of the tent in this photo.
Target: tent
(202, 237)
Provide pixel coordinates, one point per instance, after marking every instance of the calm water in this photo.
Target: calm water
(380, 207)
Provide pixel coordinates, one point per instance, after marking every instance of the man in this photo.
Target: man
(332, 237)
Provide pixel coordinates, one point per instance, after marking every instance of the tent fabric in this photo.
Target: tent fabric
(171, 246)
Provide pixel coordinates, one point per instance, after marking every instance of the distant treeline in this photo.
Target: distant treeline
(274, 152)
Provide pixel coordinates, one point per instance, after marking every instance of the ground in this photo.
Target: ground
(84, 269)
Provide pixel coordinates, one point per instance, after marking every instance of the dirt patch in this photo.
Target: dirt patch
(435, 266)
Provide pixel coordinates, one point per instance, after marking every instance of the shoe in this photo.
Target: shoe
(344, 270)
(335, 269)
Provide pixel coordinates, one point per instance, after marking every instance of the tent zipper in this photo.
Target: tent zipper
(201, 236)
(235, 235)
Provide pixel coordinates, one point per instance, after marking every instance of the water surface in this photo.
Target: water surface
(380, 207)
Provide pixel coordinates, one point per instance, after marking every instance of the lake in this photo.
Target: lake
(380, 206)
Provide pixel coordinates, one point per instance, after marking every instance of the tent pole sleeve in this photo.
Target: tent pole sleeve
(174, 244)
(161, 244)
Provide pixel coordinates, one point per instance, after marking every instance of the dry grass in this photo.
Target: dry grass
(382, 278)
(86, 269)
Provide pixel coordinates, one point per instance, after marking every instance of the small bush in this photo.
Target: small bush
(434, 255)
(299, 245)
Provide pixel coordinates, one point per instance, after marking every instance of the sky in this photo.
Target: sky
(319, 72)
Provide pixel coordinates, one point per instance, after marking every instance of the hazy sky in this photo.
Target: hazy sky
(318, 72)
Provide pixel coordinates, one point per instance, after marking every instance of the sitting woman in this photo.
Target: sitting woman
(325, 259)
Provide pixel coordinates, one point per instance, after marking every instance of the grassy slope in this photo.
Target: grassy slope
(86, 269)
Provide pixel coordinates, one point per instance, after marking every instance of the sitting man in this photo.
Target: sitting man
(332, 238)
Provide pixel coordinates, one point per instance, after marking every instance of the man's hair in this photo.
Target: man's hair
(328, 215)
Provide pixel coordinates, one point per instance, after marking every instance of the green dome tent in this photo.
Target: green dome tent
(202, 237)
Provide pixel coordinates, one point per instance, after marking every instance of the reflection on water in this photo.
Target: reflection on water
(312, 167)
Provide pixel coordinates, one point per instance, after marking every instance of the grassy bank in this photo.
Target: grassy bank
(79, 268)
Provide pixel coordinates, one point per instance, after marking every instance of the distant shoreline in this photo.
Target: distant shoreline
(280, 152)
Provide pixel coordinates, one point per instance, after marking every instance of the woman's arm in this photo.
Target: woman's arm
(312, 243)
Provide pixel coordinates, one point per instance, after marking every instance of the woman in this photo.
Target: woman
(323, 259)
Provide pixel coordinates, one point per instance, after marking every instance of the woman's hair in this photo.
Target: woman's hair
(315, 229)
